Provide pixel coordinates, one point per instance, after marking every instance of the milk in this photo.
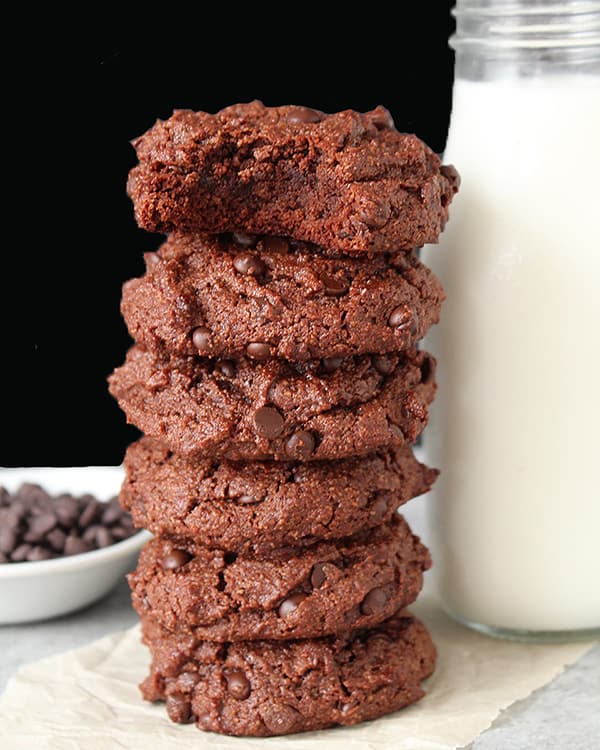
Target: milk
(515, 514)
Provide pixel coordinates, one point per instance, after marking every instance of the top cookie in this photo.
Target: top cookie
(346, 181)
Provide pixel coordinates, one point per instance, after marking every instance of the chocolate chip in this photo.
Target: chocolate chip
(201, 339)
(7, 517)
(120, 533)
(127, 521)
(248, 264)
(318, 576)
(290, 604)
(35, 526)
(36, 554)
(279, 718)
(56, 539)
(89, 514)
(103, 537)
(179, 709)
(74, 545)
(31, 492)
(177, 558)
(111, 514)
(333, 286)
(373, 602)
(258, 350)
(39, 526)
(272, 244)
(67, 510)
(8, 539)
(303, 115)
(10, 518)
(268, 421)
(300, 445)
(331, 364)
(204, 721)
(381, 118)
(39, 506)
(89, 535)
(245, 240)
(384, 363)
(19, 509)
(374, 215)
(404, 318)
(20, 553)
(238, 684)
(226, 367)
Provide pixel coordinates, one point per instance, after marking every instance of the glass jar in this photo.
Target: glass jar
(515, 515)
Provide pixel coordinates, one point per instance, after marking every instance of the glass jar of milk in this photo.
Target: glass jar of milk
(515, 429)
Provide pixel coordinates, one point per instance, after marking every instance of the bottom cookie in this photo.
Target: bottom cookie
(265, 688)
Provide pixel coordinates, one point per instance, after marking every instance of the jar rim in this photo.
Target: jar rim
(513, 24)
(518, 7)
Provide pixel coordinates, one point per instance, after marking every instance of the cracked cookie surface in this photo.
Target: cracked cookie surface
(249, 410)
(327, 588)
(278, 298)
(346, 181)
(265, 688)
(258, 506)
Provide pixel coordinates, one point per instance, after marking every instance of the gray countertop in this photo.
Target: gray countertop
(563, 715)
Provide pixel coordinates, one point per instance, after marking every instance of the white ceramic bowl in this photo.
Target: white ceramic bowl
(32, 591)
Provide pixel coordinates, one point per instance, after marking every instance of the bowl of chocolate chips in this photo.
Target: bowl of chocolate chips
(65, 542)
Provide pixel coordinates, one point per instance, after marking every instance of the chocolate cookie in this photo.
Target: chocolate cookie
(260, 506)
(259, 410)
(267, 688)
(214, 297)
(345, 181)
(305, 593)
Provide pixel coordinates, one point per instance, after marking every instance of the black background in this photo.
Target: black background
(87, 94)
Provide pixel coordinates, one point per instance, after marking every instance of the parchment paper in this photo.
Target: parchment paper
(89, 698)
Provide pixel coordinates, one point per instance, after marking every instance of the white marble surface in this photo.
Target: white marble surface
(563, 715)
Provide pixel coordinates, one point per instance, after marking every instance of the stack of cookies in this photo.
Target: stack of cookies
(276, 376)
